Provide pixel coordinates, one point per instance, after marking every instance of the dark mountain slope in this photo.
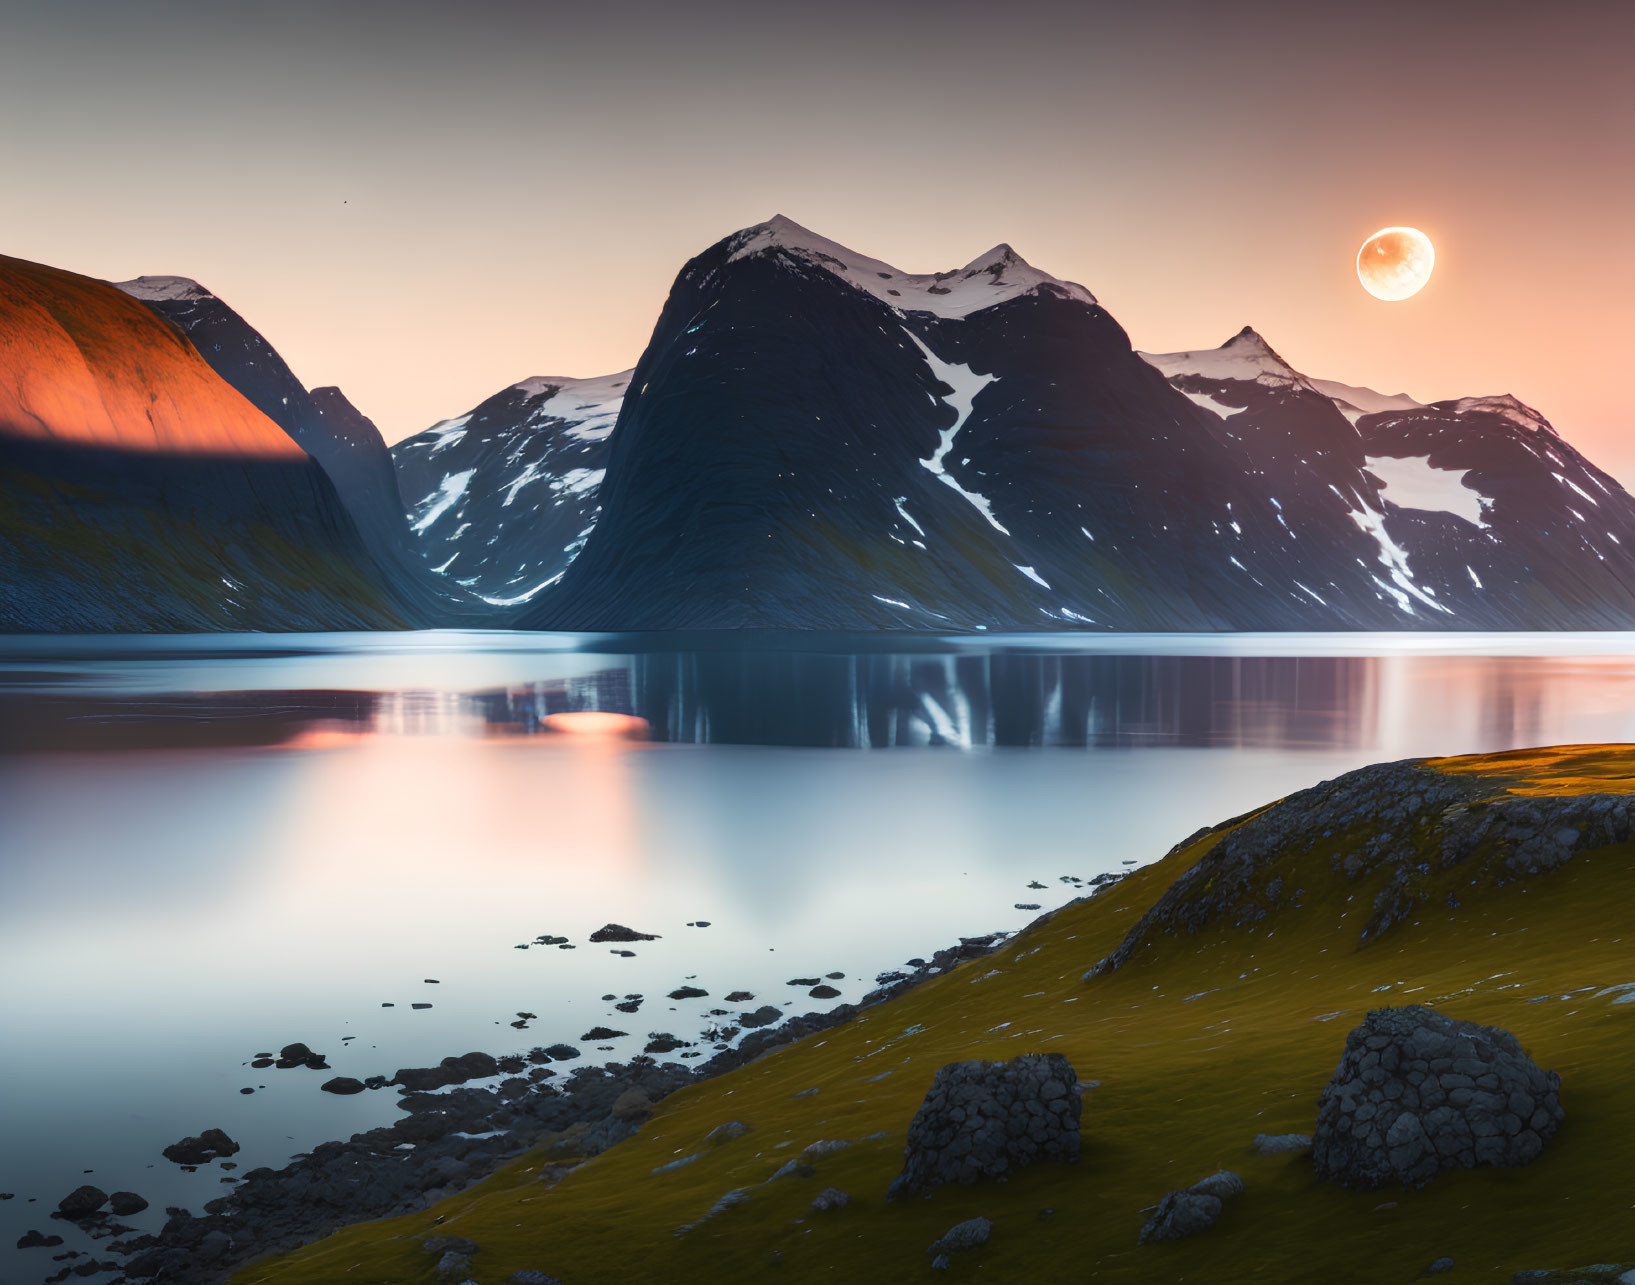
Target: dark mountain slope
(138, 491)
(345, 443)
(503, 497)
(814, 439)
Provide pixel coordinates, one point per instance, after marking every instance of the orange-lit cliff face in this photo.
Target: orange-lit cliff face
(83, 363)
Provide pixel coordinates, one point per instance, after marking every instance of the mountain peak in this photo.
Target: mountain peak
(990, 278)
(162, 289)
(1504, 405)
(1245, 357)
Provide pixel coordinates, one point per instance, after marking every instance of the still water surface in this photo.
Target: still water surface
(212, 847)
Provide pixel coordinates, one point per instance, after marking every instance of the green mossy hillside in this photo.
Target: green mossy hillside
(1198, 1044)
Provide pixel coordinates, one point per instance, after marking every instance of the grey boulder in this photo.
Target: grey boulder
(1417, 1092)
(980, 1120)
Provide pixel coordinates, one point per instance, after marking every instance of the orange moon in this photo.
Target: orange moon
(1395, 263)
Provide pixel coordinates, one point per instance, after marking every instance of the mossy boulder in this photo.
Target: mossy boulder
(979, 1120)
(1417, 1092)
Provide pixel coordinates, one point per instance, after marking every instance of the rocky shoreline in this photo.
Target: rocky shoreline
(453, 1134)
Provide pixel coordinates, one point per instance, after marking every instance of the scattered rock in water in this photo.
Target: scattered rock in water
(475, 1065)
(690, 992)
(207, 1146)
(971, 1234)
(618, 932)
(1277, 1144)
(824, 992)
(418, 1006)
(562, 1052)
(1036, 885)
(432, 981)
(246, 1090)
(765, 1015)
(698, 923)
(82, 1203)
(727, 1132)
(830, 1198)
(1417, 1092)
(388, 1005)
(602, 1033)
(545, 939)
(298, 1054)
(630, 1005)
(344, 1085)
(740, 997)
(664, 1042)
(1027, 905)
(122, 1204)
(804, 981)
(835, 977)
(33, 1239)
(623, 954)
(261, 1063)
(980, 1120)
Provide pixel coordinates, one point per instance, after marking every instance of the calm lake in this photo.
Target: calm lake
(212, 847)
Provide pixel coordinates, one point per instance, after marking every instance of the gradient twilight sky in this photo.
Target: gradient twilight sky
(426, 202)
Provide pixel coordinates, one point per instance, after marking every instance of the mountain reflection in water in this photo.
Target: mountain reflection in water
(869, 699)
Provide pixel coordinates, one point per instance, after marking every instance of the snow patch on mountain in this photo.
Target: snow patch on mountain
(1412, 482)
(1355, 401)
(162, 289)
(1245, 358)
(1503, 405)
(991, 278)
(445, 433)
(444, 498)
(1210, 404)
(590, 406)
(966, 384)
(1403, 589)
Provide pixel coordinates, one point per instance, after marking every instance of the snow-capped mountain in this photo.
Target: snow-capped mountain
(1483, 516)
(814, 438)
(817, 439)
(503, 497)
(141, 491)
(345, 443)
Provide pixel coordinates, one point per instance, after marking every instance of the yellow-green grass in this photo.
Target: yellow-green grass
(1199, 1044)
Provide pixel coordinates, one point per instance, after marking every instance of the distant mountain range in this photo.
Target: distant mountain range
(814, 439)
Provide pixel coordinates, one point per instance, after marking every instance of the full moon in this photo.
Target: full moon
(1395, 263)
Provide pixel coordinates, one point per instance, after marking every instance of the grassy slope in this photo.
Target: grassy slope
(1187, 1080)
